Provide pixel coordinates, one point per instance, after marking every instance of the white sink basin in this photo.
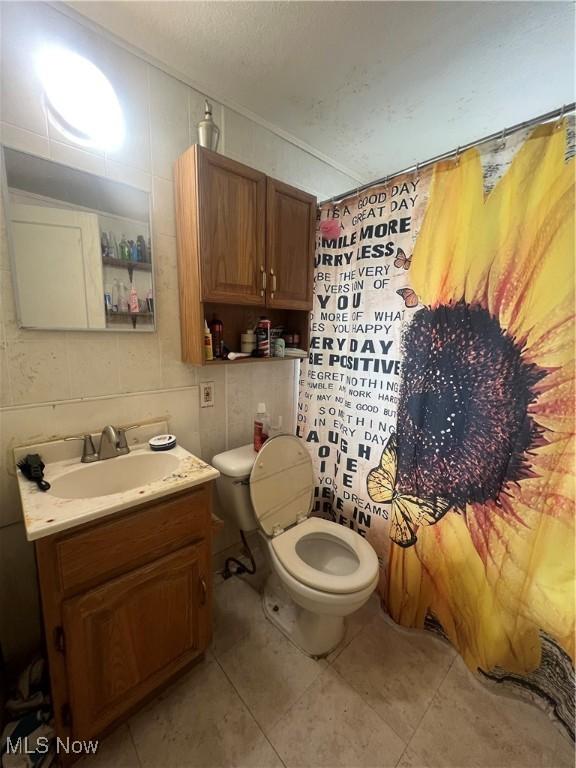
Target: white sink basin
(83, 493)
(117, 475)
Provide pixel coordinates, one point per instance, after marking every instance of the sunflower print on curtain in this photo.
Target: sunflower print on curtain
(480, 472)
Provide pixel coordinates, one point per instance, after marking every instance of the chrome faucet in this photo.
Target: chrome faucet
(112, 443)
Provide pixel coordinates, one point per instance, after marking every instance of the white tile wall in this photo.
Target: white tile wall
(25, 141)
(100, 374)
(169, 121)
(254, 145)
(62, 152)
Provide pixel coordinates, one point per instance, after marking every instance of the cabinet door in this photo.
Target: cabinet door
(127, 636)
(291, 223)
(232, 212)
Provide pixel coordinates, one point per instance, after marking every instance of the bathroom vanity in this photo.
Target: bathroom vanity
(126, 594)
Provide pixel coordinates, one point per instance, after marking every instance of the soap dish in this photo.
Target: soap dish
(162, 442)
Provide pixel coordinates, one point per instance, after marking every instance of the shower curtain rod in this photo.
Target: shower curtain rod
(560, 112)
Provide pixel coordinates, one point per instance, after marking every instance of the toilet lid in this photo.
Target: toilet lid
(281, 483)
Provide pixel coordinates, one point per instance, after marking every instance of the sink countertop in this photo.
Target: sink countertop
(45, 514)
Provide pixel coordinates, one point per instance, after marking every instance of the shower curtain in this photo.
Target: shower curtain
(438, 400)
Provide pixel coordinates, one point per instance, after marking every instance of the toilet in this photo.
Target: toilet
(321, 571)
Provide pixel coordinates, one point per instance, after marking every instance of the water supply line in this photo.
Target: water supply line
(240, 567)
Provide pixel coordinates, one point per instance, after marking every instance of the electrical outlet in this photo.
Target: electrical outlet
(207, 394)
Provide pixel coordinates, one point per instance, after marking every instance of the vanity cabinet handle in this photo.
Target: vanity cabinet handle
(263, 273)
(204, 591)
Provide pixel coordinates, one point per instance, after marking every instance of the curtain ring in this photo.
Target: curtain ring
(558, 123)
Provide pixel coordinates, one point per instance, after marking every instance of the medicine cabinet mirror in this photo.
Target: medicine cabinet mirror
(80, 248)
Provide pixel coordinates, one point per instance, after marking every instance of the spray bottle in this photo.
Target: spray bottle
(261, 427)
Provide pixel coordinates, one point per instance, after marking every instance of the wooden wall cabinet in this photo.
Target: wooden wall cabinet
(126, 605)
(244, 240)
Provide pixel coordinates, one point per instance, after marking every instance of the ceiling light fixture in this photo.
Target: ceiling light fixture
(80, 100)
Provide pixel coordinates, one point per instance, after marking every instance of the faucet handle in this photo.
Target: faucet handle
(122, 444)
(88, 451)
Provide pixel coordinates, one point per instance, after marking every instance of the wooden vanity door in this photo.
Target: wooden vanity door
(232, 214)
(131, 633)
(291, 225)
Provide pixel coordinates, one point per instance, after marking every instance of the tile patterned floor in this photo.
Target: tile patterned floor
(388, 697)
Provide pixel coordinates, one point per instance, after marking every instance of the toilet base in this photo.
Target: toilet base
(316, 635)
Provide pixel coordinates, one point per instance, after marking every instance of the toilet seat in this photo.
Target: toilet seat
(285, 547)
(321, 554)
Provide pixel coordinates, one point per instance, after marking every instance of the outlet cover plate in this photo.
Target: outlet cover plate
(207, 394)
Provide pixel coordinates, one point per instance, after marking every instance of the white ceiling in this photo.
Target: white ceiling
(375, 86)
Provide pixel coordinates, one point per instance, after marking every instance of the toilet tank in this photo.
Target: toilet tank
(233, 486)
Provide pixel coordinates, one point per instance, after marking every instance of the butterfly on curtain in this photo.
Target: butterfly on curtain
(408, 512)
(409, 296)
(402, 260)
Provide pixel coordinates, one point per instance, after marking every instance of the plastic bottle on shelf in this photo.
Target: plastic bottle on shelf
(124, 249)
(107, 298)
(217, 331)
(248, 342)
(261, 427)
(134, 306)
(142, 249)
(122, 298)
(208, 353)
(115, 295)
(105, 244)
(114, 249)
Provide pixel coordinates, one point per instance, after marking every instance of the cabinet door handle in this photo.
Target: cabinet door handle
(203, 591)
(263, 272)
(274, 282)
